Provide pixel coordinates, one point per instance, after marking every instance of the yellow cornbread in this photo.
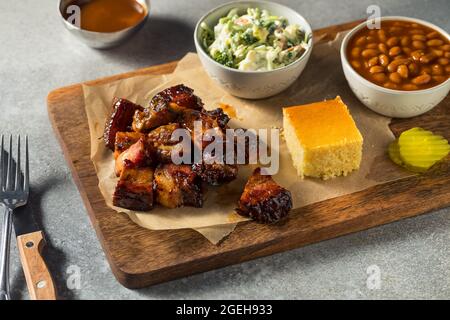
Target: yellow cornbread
(322, 139)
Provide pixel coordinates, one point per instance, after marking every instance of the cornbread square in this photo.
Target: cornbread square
(323, 139)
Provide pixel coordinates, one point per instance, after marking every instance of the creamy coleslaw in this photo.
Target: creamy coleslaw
(254, 41)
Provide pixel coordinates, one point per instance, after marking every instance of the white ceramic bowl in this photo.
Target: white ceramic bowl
(388, 102)
(252, 84)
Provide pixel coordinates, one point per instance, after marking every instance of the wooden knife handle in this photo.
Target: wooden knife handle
(39, 281)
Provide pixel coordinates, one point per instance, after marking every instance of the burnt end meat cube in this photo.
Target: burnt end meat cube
(163, 143)
(121, 119)
(246, 146)
(180, 95)
(219, 116)
(140, 154)
(124, 140)
(211, 170)
(216, 173)
(264, 200)
(209, 119)
(148, 119)
(167, 106)
(134, 190)
(177, 185)
(210, 128)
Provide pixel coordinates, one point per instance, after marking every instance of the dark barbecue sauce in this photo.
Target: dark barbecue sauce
(107, 15)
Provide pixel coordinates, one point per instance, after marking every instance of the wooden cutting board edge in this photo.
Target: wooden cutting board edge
(288, 241)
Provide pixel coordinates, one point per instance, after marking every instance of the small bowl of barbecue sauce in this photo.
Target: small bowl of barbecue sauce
(104, 24)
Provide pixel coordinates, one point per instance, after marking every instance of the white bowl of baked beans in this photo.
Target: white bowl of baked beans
(400, 70)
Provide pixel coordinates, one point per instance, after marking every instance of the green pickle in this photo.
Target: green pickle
(418, 149)
(394, 153)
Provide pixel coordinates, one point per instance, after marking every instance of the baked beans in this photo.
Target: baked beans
(401, 55)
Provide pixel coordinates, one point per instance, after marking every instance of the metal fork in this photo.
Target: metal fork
(13, 194)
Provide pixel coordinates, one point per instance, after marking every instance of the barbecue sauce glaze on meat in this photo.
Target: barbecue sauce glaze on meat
(264, 200)
(141, 139)
(120, 120)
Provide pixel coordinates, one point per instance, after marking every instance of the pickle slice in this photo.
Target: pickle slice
(420, 149)
(394, 152)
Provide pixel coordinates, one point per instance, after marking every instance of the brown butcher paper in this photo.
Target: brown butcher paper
(322, 79)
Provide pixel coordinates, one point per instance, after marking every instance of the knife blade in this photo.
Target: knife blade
(24, 221)
(31, 242)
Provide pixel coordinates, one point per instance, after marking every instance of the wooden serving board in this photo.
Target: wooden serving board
(141, 257)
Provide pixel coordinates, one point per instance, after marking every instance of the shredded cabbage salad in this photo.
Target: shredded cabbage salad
(254, 41)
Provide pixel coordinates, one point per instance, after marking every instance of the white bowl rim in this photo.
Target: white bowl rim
(291, 65)
(147, 6)
(376, 86)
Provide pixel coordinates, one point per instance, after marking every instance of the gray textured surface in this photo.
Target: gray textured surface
(37, 56)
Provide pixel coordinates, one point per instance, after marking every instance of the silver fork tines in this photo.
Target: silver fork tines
(13, 181)
(13, 194)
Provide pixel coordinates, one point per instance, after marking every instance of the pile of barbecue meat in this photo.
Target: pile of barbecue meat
(141, 138)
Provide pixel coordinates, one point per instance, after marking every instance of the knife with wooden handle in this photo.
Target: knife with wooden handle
(31, 242)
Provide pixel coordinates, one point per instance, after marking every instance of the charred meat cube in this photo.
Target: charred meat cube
(177, 185)
(134, 190)
(246, 144)
(220, 117)
(140, 154)
(264, 200)
(166, 107)
(125, 140)
(163, 143)
(210, 127)
(209, 119)
(180, 95)
(212, 170)
(150, 118)
(121, 119)
(216, 173)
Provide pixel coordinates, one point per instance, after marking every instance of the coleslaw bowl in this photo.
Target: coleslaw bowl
(253, 84)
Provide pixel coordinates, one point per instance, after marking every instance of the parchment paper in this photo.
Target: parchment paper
(322, 79)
